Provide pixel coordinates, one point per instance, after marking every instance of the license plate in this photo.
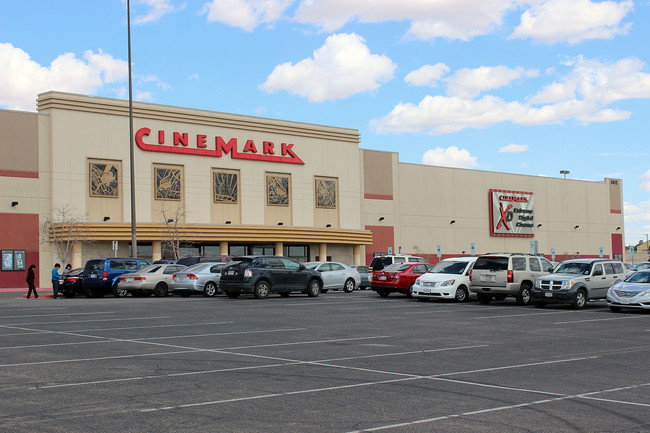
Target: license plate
(624, 301)
(548, 294)
(129, 279)
(231, 272)
(489, 278)
(93, 276)
(180, 278)
(383, 277)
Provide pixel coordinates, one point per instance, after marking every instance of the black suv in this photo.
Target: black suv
(261, 275)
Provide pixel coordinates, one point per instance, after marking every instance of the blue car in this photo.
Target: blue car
(102, 275)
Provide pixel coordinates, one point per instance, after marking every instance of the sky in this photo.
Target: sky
(517, 86)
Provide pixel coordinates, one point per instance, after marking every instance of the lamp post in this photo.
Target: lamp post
(564, 172)
(134, 240)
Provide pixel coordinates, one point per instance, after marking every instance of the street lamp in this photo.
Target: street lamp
(564, 172)
(134, 240)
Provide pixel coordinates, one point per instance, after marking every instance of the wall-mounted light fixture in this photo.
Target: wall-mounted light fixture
(539, 225)
(381, 218)
(106, 218)
(328, 226)
(618, 228)
(280, 223)
(576, 227)
(452, 222)
(14, 203)
(228, 222)
(170, 220)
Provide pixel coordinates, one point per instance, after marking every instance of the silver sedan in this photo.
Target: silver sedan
(199, 278)
(634, 292)
(151, 279)
(336, 276)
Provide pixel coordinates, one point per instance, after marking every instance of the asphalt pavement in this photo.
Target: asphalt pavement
(335, 363)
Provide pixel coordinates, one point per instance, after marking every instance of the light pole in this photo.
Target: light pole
(134, 240)
(564, 172)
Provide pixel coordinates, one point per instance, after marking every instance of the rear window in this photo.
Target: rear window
(239, 262)
(397, 267)
(94, 265)
(492, 263)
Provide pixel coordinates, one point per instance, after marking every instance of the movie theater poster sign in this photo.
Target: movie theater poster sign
(512, 213)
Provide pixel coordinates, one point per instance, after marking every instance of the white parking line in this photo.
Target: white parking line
(59, 314)
(121, 319)
(168, 337)
(598, 320)
(524, 315)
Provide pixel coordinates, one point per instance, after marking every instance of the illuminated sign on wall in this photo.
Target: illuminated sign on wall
(198, 145)
(512, 213)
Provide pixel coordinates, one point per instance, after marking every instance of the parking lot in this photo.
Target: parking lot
(335, 363)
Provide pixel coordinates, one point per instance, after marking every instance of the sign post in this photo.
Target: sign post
(115, 247)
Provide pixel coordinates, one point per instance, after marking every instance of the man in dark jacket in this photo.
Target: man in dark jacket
(31, 277)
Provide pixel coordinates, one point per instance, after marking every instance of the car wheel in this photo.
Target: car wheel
(210, 290)
(523, 297)
(232, 295)
(461, 294)
(262, 289)
(615, 309)
(285, 294)
(408, 292)
(580, 300)
(349, 286)
(313, 288)
(484, 299)
(160, 289)
(383, 293)
(120, 293)
(539, 304)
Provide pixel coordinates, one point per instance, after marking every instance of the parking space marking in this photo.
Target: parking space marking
(85, 321)
(598, 320)
(168, 337)
(632, 403)
(486, 385)
(59, 314)
(172, 325)
(524, 315)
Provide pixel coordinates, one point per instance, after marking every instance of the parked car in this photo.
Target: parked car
(336, 276)
(102, 275)
(448, 279)
(192, 260)
(154, 279)
(380, 262)
(164, 262)
(71, 283)
(261, 275)
(398, 277)
(576, 281)
(199, 278)
(641, 266)
(364, 273)
(500, 275)
(634, 292)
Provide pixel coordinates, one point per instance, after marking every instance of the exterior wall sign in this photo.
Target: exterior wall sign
(180, 143)
(512, 213)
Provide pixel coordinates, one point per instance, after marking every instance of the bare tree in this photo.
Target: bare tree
(65, 229)
(173, 241)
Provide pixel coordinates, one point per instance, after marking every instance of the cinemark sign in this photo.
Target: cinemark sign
(198, 145)
(512, 213)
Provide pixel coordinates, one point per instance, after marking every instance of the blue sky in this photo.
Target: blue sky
(518, 86)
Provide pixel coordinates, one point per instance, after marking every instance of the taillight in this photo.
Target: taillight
(192, 277)
(511, 277)
(105, 275)
(470, 277)
(174, 277)
(139, 278)
(248, 273)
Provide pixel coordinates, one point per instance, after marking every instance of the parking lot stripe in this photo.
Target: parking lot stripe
(599, 320)
(59, 314)
(524, 315)
(617, 401)
(121, 319)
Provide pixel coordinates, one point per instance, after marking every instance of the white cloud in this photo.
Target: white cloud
(427, 75)
(143, 96)
(22, 79)
(193, 77)
(581, 96)
(449, 157)
(455, 19)
(645, 182)
(514, 148)
(154, 79)
(157, 9)
(574, 21)
(342, 67)
(468, 83)
(245, 14)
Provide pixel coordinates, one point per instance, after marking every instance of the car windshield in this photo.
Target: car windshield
(642, 266)
(448, 267)
(573, 268)
(639, 277)
(311, 265)
(149, 269)
(397, 267)
(196, 267)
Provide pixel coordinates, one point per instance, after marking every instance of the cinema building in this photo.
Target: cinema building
(230, 184)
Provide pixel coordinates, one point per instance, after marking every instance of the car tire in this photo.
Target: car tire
(580, 300)
(348, 287)
(523, 297)
(539, 304)
(461, 294)
(262, 289)
(209, 290)
(313, 288)
(484, 299)
(500, 297)
(233, 295)
(408, 292)
(614, 309)
(119, 293)
(383, 293)
(160, 289)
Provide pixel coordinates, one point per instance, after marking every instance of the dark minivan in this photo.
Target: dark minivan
(103, 274)
(261, 275)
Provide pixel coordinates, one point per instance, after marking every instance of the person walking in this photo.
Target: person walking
(31, 277)
(55, 280)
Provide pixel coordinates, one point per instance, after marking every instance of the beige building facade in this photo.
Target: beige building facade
(231, 184)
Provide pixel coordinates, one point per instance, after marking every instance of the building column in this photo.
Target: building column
(279, 248)
(223, 248)
(156, 250)
(356, 255)
(76, 255)
(322, 255)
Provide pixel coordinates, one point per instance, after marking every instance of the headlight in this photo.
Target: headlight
(417, 281)
(538, 283)
(567, 285)
(448, 283)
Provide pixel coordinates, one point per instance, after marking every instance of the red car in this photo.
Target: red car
(398, 277)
